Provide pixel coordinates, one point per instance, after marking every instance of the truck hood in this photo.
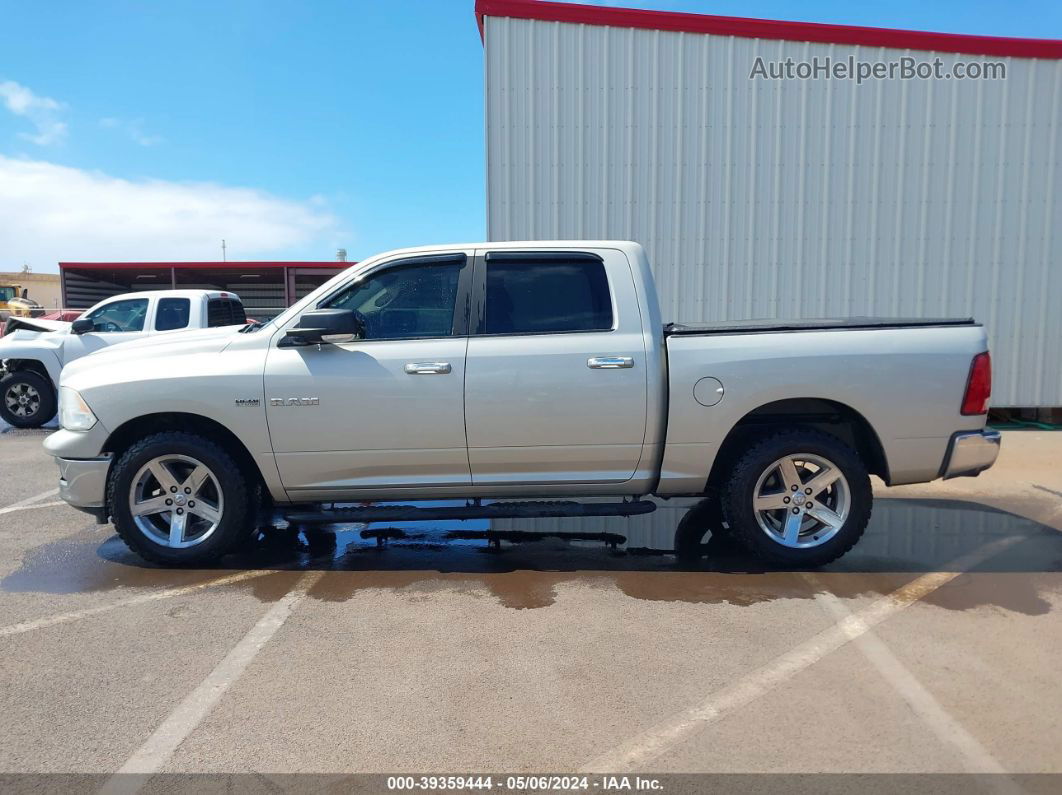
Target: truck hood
(19, 343)
(35, 326)
(168, 343)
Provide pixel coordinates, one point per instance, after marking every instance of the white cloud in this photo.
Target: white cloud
(134, 128)
(42, 112)
(47, 133)
(21, 101)
(50, 213)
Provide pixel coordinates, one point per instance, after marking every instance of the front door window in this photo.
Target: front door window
(118, 316)
(404, 302)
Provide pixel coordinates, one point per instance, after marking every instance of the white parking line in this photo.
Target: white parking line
(976, 758)
(173, 731)
(15, 506)
(154, 596)
(646, 746)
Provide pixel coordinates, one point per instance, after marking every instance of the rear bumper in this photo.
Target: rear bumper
(83, 483)
(971, 453)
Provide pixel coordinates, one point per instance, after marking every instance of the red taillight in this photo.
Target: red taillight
(978, 386)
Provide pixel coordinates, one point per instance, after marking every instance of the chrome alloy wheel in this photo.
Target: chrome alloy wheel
(176, 501)
(22, 400)
(801, 500)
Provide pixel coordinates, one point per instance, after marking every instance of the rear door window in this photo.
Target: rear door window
(545, 296)
(172, 313)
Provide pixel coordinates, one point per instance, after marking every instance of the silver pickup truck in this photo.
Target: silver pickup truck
(525, 379)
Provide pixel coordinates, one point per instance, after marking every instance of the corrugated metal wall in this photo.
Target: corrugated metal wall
(798, 198)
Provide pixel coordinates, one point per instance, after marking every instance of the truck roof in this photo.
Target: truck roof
(629, 247)
(512, 244)
(179, 294)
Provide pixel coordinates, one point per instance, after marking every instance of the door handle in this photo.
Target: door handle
(610, 362)
(428, 368)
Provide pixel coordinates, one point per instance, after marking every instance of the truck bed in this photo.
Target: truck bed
(810, 324)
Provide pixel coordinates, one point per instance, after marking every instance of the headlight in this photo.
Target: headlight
(74, 413)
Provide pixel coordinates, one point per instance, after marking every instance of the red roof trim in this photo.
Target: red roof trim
(767, 29)
(92, 266)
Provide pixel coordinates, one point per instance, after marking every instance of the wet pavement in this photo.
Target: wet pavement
(904, 538)
(430, 654)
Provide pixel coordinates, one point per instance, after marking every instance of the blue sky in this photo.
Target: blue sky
(135, 130)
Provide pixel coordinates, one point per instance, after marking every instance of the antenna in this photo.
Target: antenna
(223, 258)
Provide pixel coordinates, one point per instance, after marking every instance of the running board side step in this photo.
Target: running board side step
(495, 537)
(494, 510)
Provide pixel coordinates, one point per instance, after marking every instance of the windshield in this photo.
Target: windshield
(7, 293)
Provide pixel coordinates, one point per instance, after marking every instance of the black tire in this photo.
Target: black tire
(237, 519)
(29, 383)
(703, 519)
(739, 492)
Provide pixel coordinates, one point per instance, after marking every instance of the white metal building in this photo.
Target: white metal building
(761, 198)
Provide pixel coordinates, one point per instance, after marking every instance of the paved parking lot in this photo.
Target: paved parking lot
(932, 647)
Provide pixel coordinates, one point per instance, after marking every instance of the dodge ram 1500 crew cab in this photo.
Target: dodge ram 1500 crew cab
(502, 373)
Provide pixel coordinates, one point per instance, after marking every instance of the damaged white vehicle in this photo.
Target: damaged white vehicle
(34, 350)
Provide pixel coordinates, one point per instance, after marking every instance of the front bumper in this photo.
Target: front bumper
(83, 483)
(971, 453)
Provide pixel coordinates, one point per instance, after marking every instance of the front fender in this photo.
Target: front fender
(32, 351)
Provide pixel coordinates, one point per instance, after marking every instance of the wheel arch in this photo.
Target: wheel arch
(129, 433)
(829, 416)
(39, 366)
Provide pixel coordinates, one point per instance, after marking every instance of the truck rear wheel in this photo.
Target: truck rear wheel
(179, 499)
(27, 399)
(798, 497)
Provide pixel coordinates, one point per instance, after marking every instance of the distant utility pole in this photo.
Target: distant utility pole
(223, 258)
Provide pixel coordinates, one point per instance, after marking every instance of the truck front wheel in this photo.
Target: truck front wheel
(798, 497)
(178, 499)
(27, 399)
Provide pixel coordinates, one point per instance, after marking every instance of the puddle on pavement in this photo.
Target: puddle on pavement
(904, 539)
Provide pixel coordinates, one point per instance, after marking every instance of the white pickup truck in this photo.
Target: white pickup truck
(521, 378)
(34, 350)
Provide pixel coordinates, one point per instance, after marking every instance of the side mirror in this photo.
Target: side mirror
(325, 325)
(82, 326)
